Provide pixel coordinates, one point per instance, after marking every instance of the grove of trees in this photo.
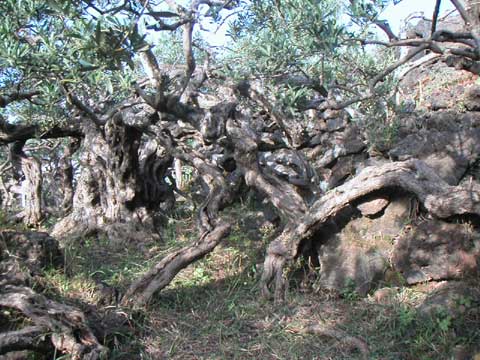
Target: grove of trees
(104, 103)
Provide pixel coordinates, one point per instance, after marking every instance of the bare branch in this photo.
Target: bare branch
(162, 14)
(28, 338)
(17, 96)
(163, 26)
(188, 54)
(435, 17)
(10, 133)
(80, 105)
(463, 13)
(84, 108)
(379, 77)
(385, 26)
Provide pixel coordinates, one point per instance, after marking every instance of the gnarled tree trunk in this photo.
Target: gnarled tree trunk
(120, 187)
(413, 176)
(211, 229)
(31, 169)
(66, 171)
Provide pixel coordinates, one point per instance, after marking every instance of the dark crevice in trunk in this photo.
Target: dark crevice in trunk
(66, 173)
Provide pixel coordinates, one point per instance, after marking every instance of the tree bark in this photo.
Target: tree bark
(283, 195)
(66, 325)
(178, 173)
(142, 290)
(212, 231)
(413, 176)
(28, 338)
(32, 183)
(119, 185)
(66, 170)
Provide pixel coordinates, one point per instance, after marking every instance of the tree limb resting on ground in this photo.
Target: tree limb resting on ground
(67, 325)
(414, 176)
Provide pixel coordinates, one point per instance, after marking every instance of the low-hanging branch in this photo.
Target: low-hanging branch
(414, 176)
(212, 230)
(10, 133)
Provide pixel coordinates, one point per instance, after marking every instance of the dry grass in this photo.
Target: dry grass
(212, 310)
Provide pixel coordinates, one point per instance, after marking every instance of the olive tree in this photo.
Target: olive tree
(99, 73)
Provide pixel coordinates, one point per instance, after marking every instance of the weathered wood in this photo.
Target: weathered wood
(115, 185)
(32, 188)
(157, 278)
(28, 338)
(69, 332)
(283, 195)
(211, 229)
(413, 176)
(10, 133)
(66, 172)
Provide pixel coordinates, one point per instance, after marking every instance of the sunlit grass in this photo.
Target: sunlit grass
(212, 309)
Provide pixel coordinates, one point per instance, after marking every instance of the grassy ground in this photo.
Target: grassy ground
(212, 310)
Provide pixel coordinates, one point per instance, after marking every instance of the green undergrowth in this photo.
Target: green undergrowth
(225, 319)
(212, 309)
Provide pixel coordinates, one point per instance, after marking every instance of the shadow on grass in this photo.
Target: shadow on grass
(212, 310)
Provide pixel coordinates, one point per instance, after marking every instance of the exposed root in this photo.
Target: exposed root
(273, 272)
(28, 338)
(67, 325)
(339, 335)
(163, 273)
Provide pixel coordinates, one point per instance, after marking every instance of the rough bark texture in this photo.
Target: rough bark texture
(120, 185)
(23, 255)
(69, 332)
(121, 161)
(28, 338)
(142, 290)
(413, 176)
(32, 183)
(10, 133)
(212, 230)
(66, 172)
(284, 196)
(178, 173)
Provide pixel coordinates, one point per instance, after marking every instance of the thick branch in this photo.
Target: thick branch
(413, 176)
(212, 231)
(16, 96)
(384, 25)
(66, 172)
(67, 325)
(188, 54)
(10, 133)
(141, 291)
(463, 13)
(379, 77)
(247, 89)
(32, 186)
(29, 338)
(84, 108)
(282, 194)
